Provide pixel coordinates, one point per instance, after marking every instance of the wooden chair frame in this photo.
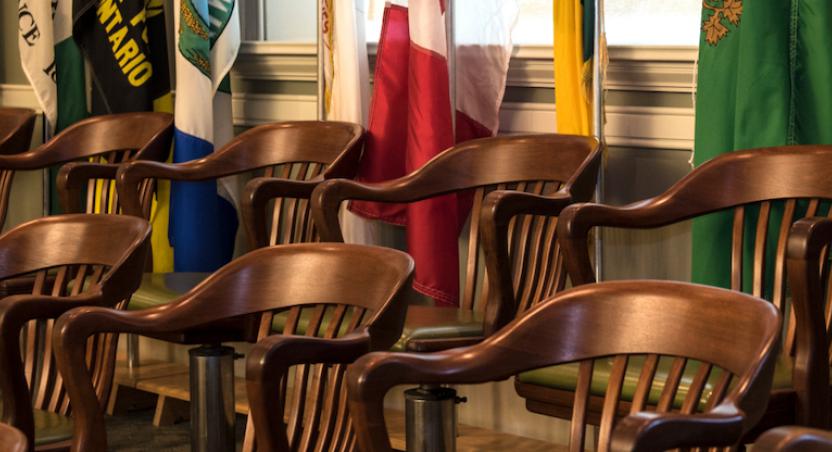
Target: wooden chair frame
(285, 278)
(16, 127)
(565, 330)
(334, 146)
(12, 439)
(794, 439)
(530, 161)
(734, 181)
(110, 138)
(110, 268)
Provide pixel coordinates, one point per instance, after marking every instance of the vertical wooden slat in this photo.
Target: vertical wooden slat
(760, 239)
(577, 435)
(737, 248)
(779, 287)
(671, 385)
(719, 391)
(472, 262)
(694, 395)
(645, 383)
(611, 401)
(277, 212)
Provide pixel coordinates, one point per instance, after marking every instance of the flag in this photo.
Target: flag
(574, 49)
(115, 37)
(54, 66)
(125, 43)
(203, 220)
(764, 71)
(347, 88)
(51, 60)
(412, 120)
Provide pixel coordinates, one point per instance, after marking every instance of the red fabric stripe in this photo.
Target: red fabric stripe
(410, 123)
(383, 157)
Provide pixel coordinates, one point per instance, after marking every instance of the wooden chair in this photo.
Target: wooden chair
(12, 439)
(16, 125)
(739, 182)
(637, 323)
(552, 170)
(333, 317)
(102, 142)
(72, 266)
(295, 156)
(794, 439)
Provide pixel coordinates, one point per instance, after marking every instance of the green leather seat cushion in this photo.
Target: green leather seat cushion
(565, 377)
(423, 322)
(51, 428)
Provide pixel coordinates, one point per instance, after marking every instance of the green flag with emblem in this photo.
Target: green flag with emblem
(764, 72)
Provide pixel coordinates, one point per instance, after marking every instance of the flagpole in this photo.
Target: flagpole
(321, 115)
(598, 121)
(449, 34)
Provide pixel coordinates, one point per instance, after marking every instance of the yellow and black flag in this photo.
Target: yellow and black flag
(574, 51)
(125, 44)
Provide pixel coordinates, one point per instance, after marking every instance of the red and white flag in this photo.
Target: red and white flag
(411, 119)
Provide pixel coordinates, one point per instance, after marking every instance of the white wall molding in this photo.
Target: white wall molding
(642, 127)
(18, 96)
(646, 69)
(254, 109)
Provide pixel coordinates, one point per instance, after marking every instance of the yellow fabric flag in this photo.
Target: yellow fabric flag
(574, 47)
(160, 207)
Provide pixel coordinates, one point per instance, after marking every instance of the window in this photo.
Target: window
(628, 22)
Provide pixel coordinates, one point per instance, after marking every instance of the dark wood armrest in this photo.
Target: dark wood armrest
(12, 439)
(73, 178)
(794, 439)
(15, 311)
(258, 192)
(269, 362)
(652, 431)
(328, 196)
(498, 208)
(440, 344)
(807, 240)
(131, 174)
(69, 338)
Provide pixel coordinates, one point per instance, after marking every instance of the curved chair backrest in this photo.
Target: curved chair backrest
(749, 182)
(536, 164)
(101, 139)
(16, 126)
(565, 329)
(100, 256)
(12, 439)
(319, 290)
(794, 439)
(296, 151)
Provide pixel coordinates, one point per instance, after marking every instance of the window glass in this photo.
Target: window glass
(628, 22)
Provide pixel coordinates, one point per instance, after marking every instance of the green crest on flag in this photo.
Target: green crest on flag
(196, 37)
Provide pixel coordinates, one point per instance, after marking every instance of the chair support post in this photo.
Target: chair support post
(212, 398)
(431, 419)
(133, 356)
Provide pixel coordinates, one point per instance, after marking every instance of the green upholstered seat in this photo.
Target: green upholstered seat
(159, 289)
(51, 428)
(429, 322)
(564, 377)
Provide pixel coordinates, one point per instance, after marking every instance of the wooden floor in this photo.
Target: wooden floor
(169, 383)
